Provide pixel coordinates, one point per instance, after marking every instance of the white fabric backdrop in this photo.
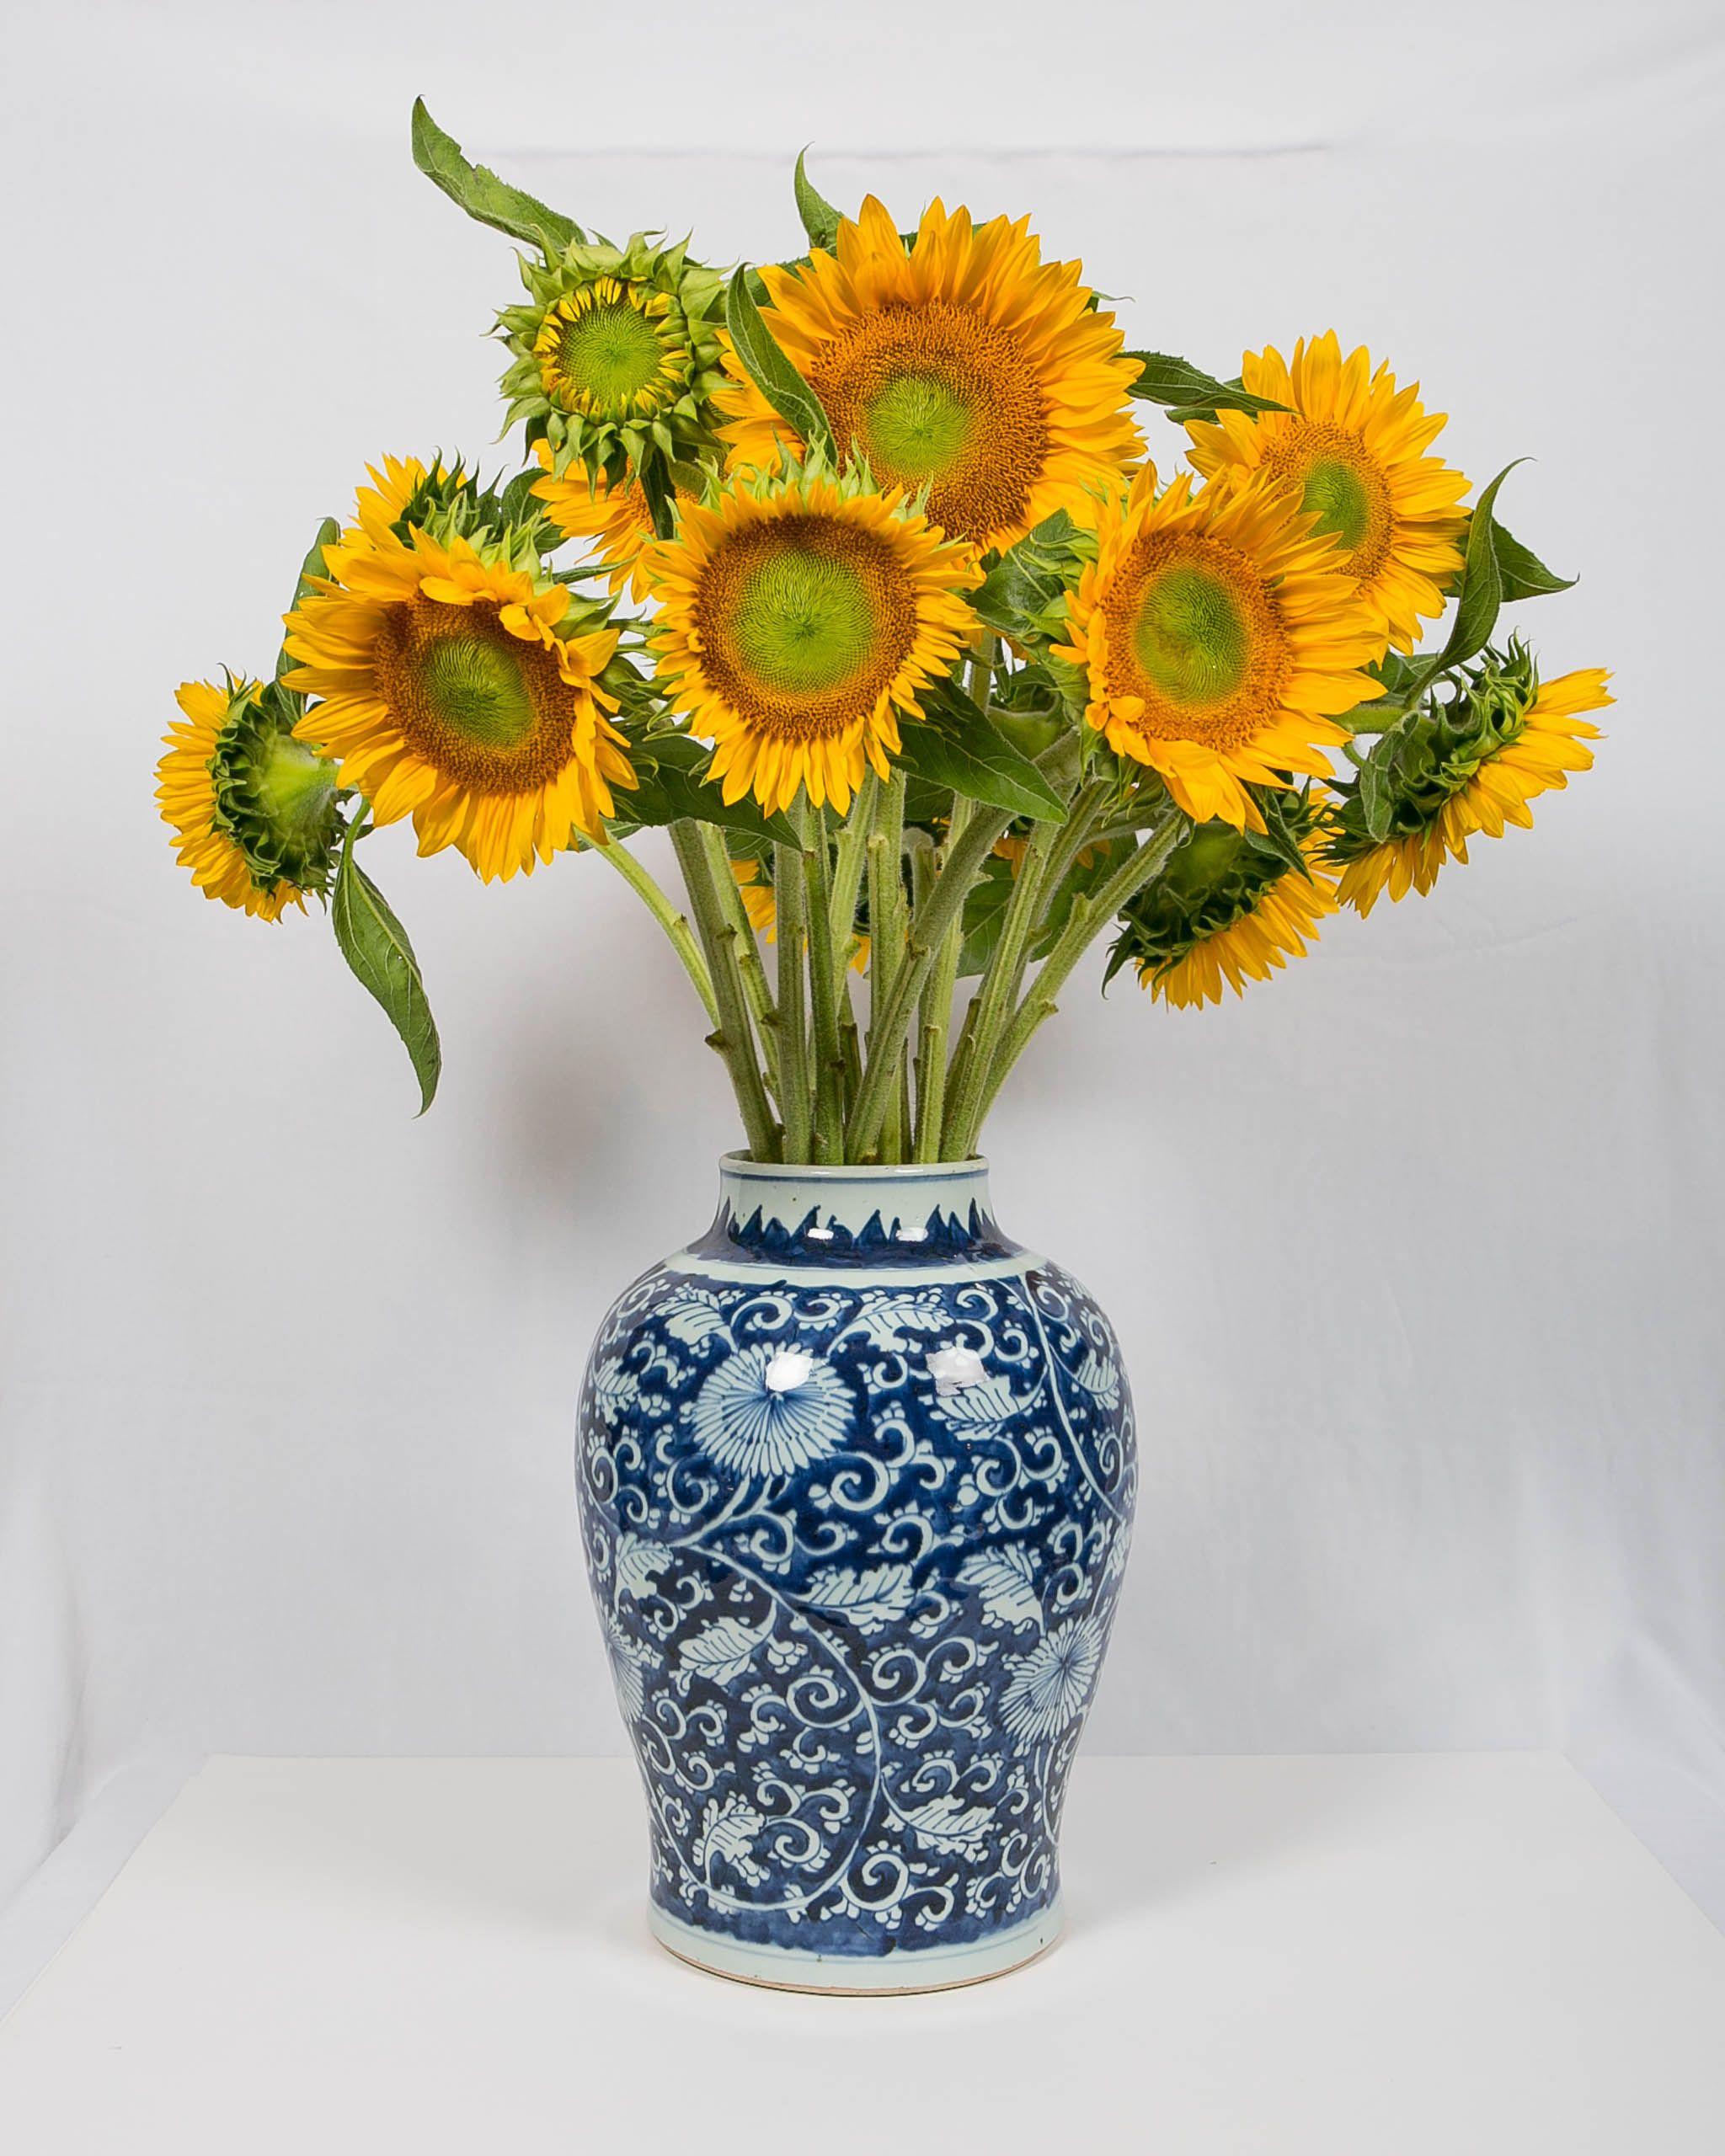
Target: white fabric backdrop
(1415, 1254)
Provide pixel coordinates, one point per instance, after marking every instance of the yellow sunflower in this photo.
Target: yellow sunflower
(186, 790)
(965, 364)
(617, 519)
(1220, 638)
(1355, 448)
(798, 618)
(1486, 789)
(755, 888)
(448, 693)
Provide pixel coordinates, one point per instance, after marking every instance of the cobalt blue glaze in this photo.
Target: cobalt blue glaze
(856, 1477)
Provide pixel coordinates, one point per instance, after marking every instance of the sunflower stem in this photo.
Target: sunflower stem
(732, 1037)
(993, 1008)
(943, 906)
(796, 1092)
(886, 935)
(1089, 916)
(642, 881)
(937, 1009)
(756, 990)
(824, 982)
(850, 862)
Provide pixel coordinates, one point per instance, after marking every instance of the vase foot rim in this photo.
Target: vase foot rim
(852, 1976)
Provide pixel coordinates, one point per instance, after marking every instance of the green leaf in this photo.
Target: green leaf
(672, 769)
(1020, 591)
(376, 945)
(1482, 593)
(820, 221)
(985, 904)
(957, 747)
(771, 372)
(1189, 391)
(485, 197)
(1524, 575)
(328, 531)
(1279, 836)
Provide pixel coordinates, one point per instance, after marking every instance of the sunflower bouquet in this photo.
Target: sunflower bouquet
(855, 574)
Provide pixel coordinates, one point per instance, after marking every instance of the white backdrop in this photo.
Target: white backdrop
(1414, 1253)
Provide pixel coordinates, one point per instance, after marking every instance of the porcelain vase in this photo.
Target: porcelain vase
(857, 1475)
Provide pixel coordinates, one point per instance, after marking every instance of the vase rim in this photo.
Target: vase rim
(745, 1165)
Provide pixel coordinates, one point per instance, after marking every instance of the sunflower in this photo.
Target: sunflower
(798, 618)
(618, 518)
(451, 693)
(760, 903)
(1470, 766)
(615, 355)
(1354, 446)
(1226, 909)
(1219, 640)
(964, 364)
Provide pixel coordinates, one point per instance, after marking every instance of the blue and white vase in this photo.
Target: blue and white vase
(857, 1476)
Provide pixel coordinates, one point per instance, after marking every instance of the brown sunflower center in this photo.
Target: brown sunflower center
(479, 706)
(1339, 479)
(938, 395)
(804, 623)
(1192, 632)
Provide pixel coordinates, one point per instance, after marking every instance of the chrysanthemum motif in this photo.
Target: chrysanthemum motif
(1471, 766)
(1353, 447)
(1050, 1686)
(771, 1411)
(253, 811)
(797, 618)
(453, 691)
(616, 353)
(965, 364)
(1221, 639)
(1227, 909)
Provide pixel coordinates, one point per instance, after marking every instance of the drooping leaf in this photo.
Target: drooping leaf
(957, 746)
(1189, 393)
(486, 197)
(328, 531)
(821, 220)
(1524, 575)
(672, 786)
(376, 946)
(771, 371)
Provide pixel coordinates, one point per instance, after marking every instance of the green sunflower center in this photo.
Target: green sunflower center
(918, 425)
(475, 687)
(1190, 638)
(1338, 493)
(610, 353)
(803, 622)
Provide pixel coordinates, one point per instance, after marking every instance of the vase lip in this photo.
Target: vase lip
(745, 1166)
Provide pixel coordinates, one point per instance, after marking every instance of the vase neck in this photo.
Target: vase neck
(769, 1212)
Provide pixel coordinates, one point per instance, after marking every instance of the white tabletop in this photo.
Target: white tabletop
(1365, 1956)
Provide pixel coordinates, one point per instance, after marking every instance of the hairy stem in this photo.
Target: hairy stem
(732, 1037)
(937, 1010)
(796, 1091)
(641, 880)
(824, 987)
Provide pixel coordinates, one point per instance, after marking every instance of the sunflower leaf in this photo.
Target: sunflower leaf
(1021, 593)
(486, 197)
(771, 372)
(985, 904)
(820, 221)
(1524, 575)
(376, 946)
(673, 786)
(955, 745)
(1482, 589)
(1189, 391)
(328, 531)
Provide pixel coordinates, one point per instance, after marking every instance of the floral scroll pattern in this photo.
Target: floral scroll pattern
(856, 1549)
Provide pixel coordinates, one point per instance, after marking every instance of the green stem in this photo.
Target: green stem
(886, 932)
(823, 979)
(850, 863)
(755, 991)
(645, 886)
(731, 1036)
(796, 1092)
(1089, 916)
(937, 1010)
(934, 917)
(995, 999)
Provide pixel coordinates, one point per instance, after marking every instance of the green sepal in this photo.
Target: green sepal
(771, 371)
(821, 220)
(958, 746)
(275, 796)
(1216, 876)
(485, 197)
(1187, 393)
(376, 946)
